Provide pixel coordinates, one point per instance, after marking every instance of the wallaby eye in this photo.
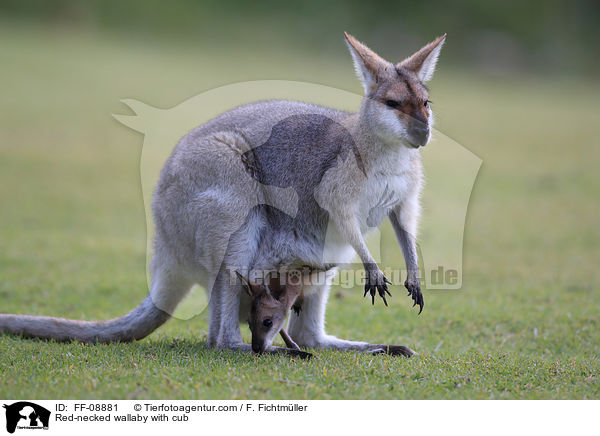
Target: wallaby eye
(392, 103)
(426, 103)
(268, 322)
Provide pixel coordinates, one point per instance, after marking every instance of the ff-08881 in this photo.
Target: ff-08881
(96, 407)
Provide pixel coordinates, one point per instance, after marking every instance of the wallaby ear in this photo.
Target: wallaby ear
(367, 63)
(423, 62)
(276, 288)
(251, 288)
(294, 287)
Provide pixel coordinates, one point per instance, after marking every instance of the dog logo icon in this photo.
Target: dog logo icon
(26, 415)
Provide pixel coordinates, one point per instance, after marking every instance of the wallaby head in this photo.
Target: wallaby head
(270, 304)
(396, 106)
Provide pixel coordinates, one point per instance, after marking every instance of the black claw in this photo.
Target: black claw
(382, 292)
(415, 293)
(378, 288)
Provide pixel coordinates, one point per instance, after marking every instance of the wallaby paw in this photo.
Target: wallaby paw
(376, 282)
(392, 350)
(414, 291)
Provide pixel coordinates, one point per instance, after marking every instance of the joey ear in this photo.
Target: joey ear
(276, 288)
(367, 63)
(294, 288)
(250, 287)
(423, 62)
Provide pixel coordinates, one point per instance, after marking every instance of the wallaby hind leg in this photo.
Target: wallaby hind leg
(224, 308)
(307, 328)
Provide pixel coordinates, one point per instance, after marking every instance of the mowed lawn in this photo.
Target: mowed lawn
(526, 323)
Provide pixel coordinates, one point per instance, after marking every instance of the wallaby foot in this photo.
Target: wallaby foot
(333, 343)
(247, 348)
(392, 350)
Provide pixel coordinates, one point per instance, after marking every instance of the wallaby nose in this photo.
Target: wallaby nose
(256, 348)
(419, 133)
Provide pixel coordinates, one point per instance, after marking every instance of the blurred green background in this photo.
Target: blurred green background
(517, 84)
(495, 36)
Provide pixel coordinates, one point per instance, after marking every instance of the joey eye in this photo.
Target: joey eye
(426, 103)
(268, 322)
(392, 103)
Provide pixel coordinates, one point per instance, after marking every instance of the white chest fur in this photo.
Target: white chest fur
(388, 184)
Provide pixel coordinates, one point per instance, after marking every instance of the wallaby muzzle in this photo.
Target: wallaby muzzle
(418, 134)
(258, 347)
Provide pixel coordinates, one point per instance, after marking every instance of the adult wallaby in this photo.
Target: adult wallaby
(214, 213)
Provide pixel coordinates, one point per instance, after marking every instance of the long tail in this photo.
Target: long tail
(137, 324)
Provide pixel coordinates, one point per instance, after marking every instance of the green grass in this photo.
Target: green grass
(72, 235)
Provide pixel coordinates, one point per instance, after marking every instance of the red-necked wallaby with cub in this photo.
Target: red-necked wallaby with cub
(214, 213)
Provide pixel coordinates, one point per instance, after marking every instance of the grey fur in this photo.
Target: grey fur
(137, 324)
